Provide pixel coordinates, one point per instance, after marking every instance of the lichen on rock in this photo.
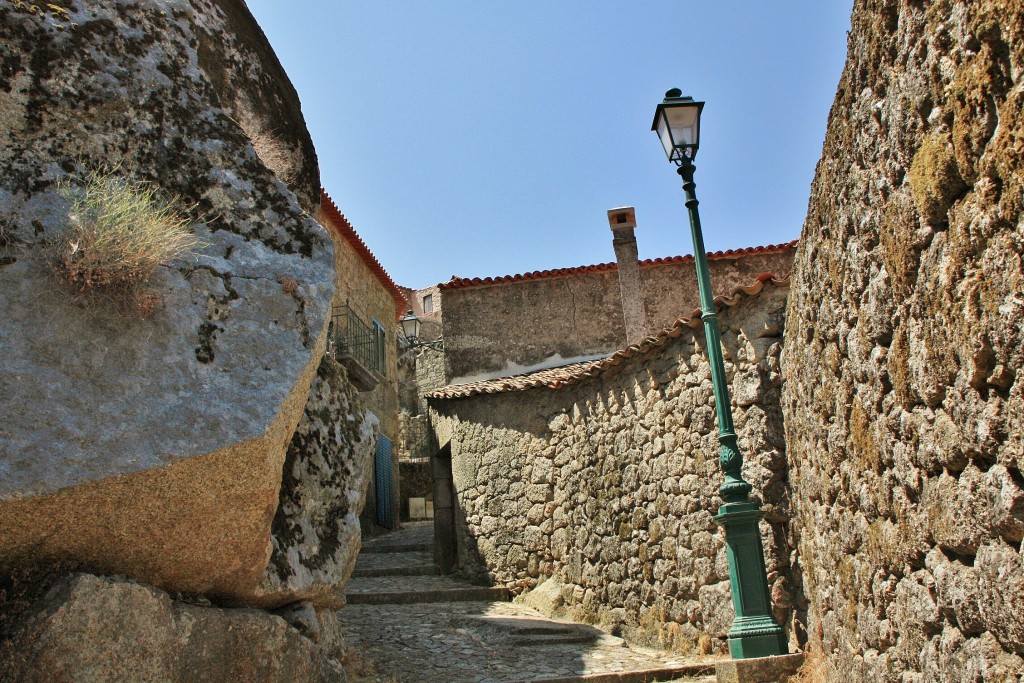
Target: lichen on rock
(907, 453)
(152, 448)
(316, 533)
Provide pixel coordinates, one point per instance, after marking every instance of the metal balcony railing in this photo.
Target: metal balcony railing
(354, 339)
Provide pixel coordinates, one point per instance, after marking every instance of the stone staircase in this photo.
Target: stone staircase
(399, 569)
(416, 625)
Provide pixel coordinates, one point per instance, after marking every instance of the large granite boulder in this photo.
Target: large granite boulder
(152, 446)
(89, 628)
(904, 347)
(316, 533)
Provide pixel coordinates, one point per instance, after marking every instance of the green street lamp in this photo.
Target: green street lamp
(754, 632)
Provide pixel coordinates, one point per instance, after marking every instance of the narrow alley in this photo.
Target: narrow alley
(417, 626)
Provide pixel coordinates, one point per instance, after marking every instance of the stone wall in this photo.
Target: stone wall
(604, 490)
(500, 328)
(670, 287)
(903, 347)
(360, 287)
(431, 373)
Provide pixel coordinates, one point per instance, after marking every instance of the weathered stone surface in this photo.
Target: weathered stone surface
(89, 628)
(903, 345)
(150, 447)
(759, 669)
(604, 491)
(316, 534)
(252, 86)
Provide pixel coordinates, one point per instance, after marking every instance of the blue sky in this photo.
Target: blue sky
(483, 138)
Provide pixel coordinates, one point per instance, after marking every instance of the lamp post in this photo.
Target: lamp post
(754, 632)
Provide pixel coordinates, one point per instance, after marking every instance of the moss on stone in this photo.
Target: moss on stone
(935, 180)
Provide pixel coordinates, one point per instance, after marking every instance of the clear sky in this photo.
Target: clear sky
(483, 138)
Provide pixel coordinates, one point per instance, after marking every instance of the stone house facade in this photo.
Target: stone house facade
(366, 306)
(575, 314)
(596, 481)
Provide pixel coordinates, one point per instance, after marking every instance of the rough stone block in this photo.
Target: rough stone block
(759, 669)
(89, 628)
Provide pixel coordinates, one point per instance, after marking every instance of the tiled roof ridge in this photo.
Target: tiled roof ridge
(462, 282)
(556, 378)
(345, 229)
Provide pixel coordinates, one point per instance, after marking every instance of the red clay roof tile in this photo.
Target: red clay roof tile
(460, 282)
(344, 229)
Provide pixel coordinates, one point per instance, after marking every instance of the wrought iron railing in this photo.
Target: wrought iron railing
(352, 338)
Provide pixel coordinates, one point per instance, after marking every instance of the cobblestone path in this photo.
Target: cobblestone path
(418, 627)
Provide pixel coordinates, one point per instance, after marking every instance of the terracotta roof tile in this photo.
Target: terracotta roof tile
(556, 378)
(343, 228)
(461, 282)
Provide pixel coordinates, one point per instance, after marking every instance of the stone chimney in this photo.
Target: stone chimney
(634, 314)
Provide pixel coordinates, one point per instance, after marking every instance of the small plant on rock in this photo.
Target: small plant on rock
(119, 232)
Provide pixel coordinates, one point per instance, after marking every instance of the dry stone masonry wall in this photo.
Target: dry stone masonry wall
(903, 397)
(604, 491)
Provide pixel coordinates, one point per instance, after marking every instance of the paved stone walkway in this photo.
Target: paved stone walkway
(434, 629)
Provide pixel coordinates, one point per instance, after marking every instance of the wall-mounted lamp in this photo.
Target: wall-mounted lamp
(409, 325)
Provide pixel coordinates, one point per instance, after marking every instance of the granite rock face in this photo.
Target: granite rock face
(252, 86)
(150, 447)
(903, 347)
(316, 535)
(89, 628)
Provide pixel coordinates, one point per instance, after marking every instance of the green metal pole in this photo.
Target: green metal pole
(754, 632)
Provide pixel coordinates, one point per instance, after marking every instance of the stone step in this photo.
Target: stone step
(474, 594)
(416, 563)
(396, 547)
(691, 673)
(531, 631)
(420, 570)
(541, 639)
(402, 590)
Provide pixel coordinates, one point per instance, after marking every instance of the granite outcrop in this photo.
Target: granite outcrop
(152, 446)
(88, 628)
(316, 534)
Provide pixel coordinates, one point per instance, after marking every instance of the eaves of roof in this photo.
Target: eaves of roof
(556, 378)
(344, 229)
(462, 283)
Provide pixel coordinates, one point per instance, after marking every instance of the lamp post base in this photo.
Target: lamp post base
(756, 637)
(754, 632)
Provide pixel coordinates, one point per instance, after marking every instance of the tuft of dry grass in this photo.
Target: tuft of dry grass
(289, 285)
(815, 669)
(119, 232)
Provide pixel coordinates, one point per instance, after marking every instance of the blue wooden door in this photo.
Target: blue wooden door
(382, 476)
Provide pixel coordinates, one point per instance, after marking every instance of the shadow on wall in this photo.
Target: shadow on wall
(608, 486)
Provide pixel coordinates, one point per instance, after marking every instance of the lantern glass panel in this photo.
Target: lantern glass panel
(410, 325)
(683, 123)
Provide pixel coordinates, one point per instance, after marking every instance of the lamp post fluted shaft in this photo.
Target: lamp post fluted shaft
(754, 632)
